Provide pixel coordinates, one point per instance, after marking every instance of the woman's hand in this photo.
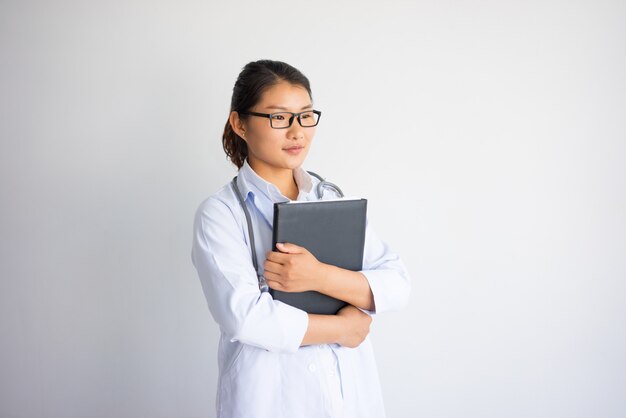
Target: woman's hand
(294, 269)
(356, 326)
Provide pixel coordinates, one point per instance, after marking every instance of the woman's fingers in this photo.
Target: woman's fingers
(277, 257)
(274, 284)
(271, 277)
(272, 267)
(287, 247)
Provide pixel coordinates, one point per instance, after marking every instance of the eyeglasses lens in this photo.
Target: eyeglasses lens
(281, 119)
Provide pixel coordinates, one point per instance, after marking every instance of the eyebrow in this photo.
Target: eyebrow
(284, 108)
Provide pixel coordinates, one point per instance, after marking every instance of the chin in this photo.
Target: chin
(292, 165)
(296, 162)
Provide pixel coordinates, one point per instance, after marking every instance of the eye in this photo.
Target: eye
(278, 116)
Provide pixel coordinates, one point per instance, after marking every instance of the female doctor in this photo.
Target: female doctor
(276, 361)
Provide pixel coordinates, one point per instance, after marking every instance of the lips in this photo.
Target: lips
(294, 150)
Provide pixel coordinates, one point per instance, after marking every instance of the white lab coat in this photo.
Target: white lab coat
(263, 371)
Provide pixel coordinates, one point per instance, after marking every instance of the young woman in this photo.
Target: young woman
(277, 361)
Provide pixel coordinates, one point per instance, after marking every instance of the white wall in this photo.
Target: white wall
(488, 136)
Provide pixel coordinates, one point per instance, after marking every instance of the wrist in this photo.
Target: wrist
(323, 279)
(325, 329)
(340, 326)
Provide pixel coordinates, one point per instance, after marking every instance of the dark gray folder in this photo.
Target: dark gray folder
(333, 231)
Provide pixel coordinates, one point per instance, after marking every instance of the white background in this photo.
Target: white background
(488, 136)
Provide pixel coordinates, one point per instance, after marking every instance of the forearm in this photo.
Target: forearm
(349, 286)
(322, 329)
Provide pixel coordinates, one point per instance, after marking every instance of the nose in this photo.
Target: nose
(295, 131)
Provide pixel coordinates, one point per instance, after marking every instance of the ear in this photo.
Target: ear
(237, 124)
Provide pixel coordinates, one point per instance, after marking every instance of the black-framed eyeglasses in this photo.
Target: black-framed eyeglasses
(283, 120)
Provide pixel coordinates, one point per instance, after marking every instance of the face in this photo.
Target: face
(272, 149)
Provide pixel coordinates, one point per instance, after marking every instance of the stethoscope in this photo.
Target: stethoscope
(319, 191)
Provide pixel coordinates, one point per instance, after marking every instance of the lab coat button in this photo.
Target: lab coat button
(312, 368)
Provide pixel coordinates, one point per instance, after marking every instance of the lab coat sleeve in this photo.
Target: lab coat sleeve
(387, 276)
(224, 264)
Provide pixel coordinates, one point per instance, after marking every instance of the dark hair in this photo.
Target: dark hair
(255, 78)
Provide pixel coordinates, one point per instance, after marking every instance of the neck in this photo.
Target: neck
(280, 177)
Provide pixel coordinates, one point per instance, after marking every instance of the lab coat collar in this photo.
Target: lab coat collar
(264, 194)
